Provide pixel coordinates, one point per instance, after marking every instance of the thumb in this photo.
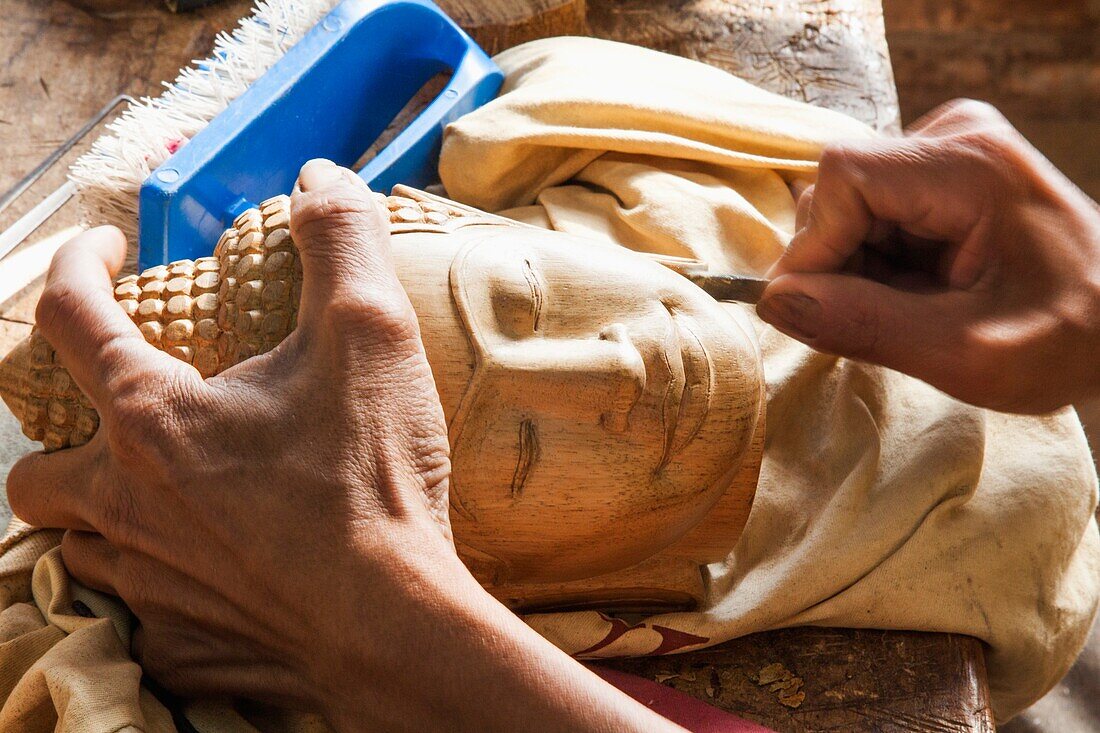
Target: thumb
(343, 238)
(915, 333)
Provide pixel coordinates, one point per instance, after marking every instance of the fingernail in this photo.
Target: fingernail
(318, 173)
(792, 313)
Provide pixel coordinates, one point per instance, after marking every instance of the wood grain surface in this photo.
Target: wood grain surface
(831, 53)
(500, 24)
(809, 679)
(59, 62)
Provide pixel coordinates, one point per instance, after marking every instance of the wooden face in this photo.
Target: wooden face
(598, 404)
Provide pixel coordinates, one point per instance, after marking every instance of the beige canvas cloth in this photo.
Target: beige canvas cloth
(882, 503)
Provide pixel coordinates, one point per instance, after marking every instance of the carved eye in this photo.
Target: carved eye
(519, 300)
(528, 454)
(537, 296)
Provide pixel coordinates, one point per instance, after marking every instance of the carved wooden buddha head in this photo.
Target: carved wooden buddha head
(598, 403)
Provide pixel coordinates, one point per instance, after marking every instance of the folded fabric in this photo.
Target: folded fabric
(882, 503)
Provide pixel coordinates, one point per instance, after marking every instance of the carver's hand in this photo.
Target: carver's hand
(230, 509)
(956, 254)
(281, 530)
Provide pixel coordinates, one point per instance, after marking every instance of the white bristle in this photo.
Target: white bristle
(109, 176)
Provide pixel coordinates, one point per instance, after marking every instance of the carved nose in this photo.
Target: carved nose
(628, 380)
(594, 379)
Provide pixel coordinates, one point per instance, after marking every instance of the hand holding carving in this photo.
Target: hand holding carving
(957, 255)
(183, 509)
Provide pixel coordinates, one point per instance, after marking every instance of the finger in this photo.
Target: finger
(91, 560)
(959, 116)
(915, 333)
(798, 186)
(933, 119)
(343, 237)
(803, 212)
(54, 490)
(879, 231)
(912, 183)
(835, 222)
(78, 315)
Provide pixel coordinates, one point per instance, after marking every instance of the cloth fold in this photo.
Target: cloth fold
(882, 503)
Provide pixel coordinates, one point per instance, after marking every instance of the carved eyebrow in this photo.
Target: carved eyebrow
(528, 454)
(537, 297)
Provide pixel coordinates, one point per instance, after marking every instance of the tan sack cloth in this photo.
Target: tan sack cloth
(882, 503)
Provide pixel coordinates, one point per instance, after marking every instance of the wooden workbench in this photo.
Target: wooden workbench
(59, 63)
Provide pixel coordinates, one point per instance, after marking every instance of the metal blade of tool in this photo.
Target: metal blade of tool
(738, 288)
(11, 237)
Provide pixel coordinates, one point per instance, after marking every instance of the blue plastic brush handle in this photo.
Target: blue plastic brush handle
(330, 96)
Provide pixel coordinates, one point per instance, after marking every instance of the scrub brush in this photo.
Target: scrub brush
(107, 178)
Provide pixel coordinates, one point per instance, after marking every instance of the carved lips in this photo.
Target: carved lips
(689, 386)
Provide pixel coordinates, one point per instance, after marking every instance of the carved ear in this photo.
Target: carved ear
(416, 194)
(414, 210)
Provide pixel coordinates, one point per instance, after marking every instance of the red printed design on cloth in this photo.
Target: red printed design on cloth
(671, 639)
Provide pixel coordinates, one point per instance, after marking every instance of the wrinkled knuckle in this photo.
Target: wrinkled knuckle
(385, 316)
(984, 130)
(132, 421)
(975, 110)
(56, 306)
(988, 159)
(838, 159)
(851, 165)
(347, 211)
(137, 429)
(996, 144)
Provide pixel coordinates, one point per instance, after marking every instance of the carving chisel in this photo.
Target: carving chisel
(726, 288)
